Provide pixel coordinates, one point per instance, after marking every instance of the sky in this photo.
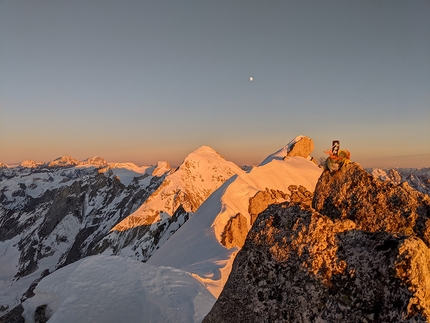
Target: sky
(143, 81)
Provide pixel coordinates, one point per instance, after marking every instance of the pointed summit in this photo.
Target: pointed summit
(205, 150)
(181, 193)
(202, 172)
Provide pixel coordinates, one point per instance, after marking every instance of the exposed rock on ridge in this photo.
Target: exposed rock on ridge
(360, 254)
(300, 146)
(352, 193)
(303, 147)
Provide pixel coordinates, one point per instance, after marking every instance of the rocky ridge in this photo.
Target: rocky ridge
(358, 254)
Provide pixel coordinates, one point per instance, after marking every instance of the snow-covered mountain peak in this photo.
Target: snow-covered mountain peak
(95, 162)
(181, 193)
(64, 161)
(204, 150)
(69, 161)
(201, 173)
(31, 163)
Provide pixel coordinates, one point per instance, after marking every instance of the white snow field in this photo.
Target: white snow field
(119, 289)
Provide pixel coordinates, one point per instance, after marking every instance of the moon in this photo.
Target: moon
(251, 78)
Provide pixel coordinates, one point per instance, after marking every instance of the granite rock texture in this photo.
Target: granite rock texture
(359, 253)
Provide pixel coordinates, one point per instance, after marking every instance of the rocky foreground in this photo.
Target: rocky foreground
(358, 254)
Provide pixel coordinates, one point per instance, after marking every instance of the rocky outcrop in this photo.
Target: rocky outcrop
(303, 147)
(300, 146)
(352, 193)
(262, 199)
(359, 254)
(235, 232)
(13, 316)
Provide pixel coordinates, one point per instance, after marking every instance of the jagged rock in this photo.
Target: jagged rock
(262, 199)
(235, 232)
(40, 314)
(302, 147)
(14, 316)
(300, 195)
(358, 255)
(258, 203)
(352, 193)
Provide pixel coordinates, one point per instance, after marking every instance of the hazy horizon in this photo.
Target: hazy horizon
(143, 81)
(383, 162)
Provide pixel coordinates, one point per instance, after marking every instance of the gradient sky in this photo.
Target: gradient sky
(143, 81)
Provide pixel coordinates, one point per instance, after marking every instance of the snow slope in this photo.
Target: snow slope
(117, 289)
(196, 246)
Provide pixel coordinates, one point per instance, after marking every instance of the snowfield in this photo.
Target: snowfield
(118, 289)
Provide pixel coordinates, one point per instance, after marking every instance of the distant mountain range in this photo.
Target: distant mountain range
(59, 218)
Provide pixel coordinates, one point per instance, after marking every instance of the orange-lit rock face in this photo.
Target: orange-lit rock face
(352, 193)
(360, 254)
